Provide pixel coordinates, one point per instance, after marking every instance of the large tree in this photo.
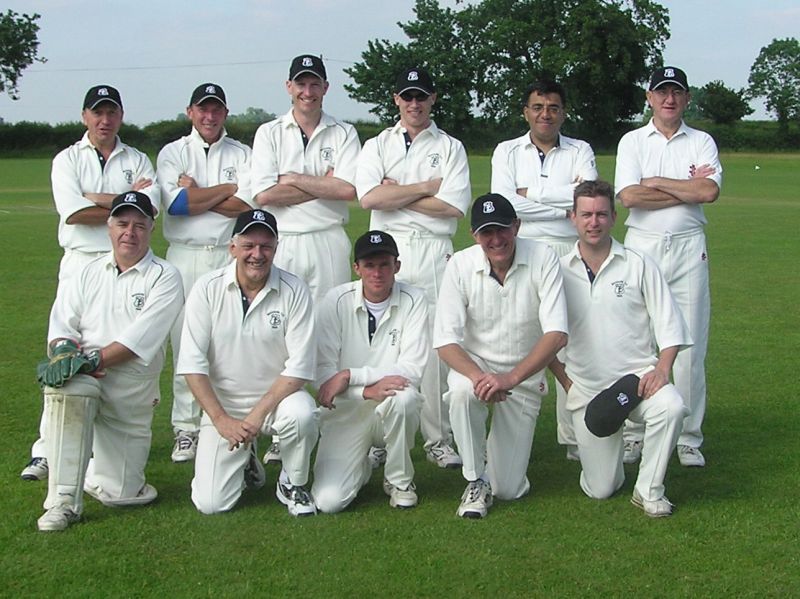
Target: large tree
(19, 48)
(722, 104)
(775, 75)
(483, 55)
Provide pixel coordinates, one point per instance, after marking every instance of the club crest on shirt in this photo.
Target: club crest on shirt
(619, 288)
(275, 319)
(138, 301)
(229, 173)
(434, 160)
(622, 399)
(326, 154)
(394, 335)
(128, 174)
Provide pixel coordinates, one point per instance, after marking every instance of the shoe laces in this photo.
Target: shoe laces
(475, 490)
(38, 462)
(185, 442)
(299, 495)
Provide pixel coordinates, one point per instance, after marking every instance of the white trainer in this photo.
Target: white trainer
(185, 446)
(57, 518)
(273, 454)
(691, 457)
(35, 470)
(147, 494)
(401, 498)
(476, 500)
(376, 457)
(443, 455)
(633, 452)
(573, 454)
(296, 499)
(655, 509)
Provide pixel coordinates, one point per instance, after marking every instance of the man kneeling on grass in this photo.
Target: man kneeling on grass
(373, 347)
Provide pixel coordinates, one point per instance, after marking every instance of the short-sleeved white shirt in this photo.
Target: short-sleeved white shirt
(243, 354)
(76, 171)
(619, 322)
(501, 324)
(224, 161)
(646, 152)
(400, 345)
(278, 150)
(433, 154)
(516, 164)
(135, 308)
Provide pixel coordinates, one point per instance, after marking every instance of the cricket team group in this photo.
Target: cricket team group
(257, 299)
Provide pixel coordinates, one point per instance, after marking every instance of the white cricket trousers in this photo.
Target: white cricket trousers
(507, 453)
(602, 474)
(423, 260)
(683, 259)
(192, 262)
(346, 434)
(219, 472)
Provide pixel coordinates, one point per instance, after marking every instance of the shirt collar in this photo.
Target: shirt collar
(617, 251)
(398, 129)
(520, 258)
(140, 266)
(196, 137)
(358, 296)
(325, 120)
(85, 143)
(273, 279)
(651, 129)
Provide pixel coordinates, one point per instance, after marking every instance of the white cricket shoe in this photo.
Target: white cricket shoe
(254, 475)
(443, 455)
(147, 494)
(633, 452)
(476, 500)
(36, 469)
(655, 509)
(573, 455)
(185, 446)
(296, 499)
(401, 498)
(690, 457)
(57, 518)
(273, 454)
(376, 457)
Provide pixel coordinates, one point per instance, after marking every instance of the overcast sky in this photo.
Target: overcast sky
(156, 52)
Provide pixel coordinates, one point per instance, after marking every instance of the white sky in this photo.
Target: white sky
(156, 52)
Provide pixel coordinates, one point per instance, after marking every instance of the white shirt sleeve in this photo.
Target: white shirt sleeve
(552, 300)
(369, 168)
(455, 188)
(196, 333)
(628, 170)
(301, 342)
(347, 157)
(67, 191)
(264, 160)
(451, 310)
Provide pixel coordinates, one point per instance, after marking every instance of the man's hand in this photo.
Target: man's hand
(651, 382)
(388, 181)
(388, 386)
(701, 172)
(141, 184)
(492, 388)
(334, 386)
(237, 432)
(186, 181)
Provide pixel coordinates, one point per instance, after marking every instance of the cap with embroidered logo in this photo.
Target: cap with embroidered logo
(132, 199)
(307, 63)
(414, 78)
(255, 217)
(101, 93)
(665, 75)
(492, 209)
(606, 413)
(206, 91)
(374, 242)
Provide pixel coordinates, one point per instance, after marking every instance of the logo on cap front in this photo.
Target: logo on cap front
(307, 62)
(258, 215)
(413, 76)
(375, 239)
(622, 399)
(488, 207)
(669, 73)
(211, 89)
(130, 198)
(102, 91)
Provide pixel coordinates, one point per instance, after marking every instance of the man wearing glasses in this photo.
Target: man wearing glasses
(415, 179)
(538, 172)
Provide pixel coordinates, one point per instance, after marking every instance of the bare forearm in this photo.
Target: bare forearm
(115, 353)
(394, 197)
(432, 206)
(278, 391)
(103, 200)
(688, 191)
(282, 195)
(231, 207)
(560, 372)
(540, 356)
(203, 199)
(200, 386)
(327, 187)
(646, 198)
(94, 215)
(460, 361)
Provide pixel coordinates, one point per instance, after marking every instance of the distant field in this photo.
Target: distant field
(734, 534)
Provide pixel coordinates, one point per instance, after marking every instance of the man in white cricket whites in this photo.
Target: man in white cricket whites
(303, 172)
(374, 342)
(665, 172)
(620, 310)
(247, 350)
(500, 319)
(204, 180)
(415, 179)
(86, 177)
(118, 310)
(537, 173)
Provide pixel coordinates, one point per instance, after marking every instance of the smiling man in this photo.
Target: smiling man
(204, 180)
(247, 350)
(116, 313)
(374, 344)
(500, 319)
(414, 178)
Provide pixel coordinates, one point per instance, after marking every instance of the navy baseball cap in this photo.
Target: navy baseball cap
(255, 217)
(307, 63)
(101, 93)
(492, 209)
(133, 199)
(206, 91)
(374, 242)
(606, 413)
(414, 78)
(665, 75)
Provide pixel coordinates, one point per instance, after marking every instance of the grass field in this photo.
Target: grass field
(734, 533)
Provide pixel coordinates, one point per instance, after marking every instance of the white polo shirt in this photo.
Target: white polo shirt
(224, 161)
(135, 308)
(278, 150)
(646, 152)
(400, 345)
(516, 164)
(619, 322)
(500, 324)
(243, 354)
(76, 171)
(433, 154)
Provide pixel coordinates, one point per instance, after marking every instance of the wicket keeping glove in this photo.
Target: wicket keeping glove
(66, 361)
